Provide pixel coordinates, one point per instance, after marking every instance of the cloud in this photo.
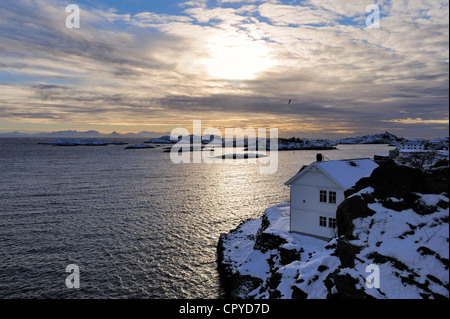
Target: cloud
(284, 15)
(235, 63)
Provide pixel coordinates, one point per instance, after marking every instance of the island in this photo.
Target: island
(285, 144)
(139, 146)
(85, 142)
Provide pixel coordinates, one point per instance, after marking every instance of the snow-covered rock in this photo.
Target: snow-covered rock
(403, 233)
(251, 255)
(186, 139)
(305, 144)
(383, 138)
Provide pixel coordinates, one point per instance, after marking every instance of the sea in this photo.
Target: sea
(135, 224)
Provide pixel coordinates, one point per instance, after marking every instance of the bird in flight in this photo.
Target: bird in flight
(289, 101)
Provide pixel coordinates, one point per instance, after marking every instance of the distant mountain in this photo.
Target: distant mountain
(14, 134)
(384, 138)
(80, 134)
(284, 143)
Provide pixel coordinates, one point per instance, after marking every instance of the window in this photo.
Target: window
(332, 197)
(332, 222)
(323, 196)
(322, 221)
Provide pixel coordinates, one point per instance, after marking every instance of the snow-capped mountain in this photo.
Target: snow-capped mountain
(383, 138)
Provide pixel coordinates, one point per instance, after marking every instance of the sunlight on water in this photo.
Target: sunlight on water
(137, 225)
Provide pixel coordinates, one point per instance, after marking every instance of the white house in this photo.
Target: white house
(318, 189)
(415, 144)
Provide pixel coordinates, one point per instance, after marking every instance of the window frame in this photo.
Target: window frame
(322, 221)
(332, 197)
(332, 223)
(323, 196)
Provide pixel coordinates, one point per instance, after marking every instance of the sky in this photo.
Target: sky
(158, 65)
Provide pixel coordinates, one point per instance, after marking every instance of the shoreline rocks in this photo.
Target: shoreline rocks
(406, 236)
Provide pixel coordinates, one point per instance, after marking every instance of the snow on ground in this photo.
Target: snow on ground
(415, 246)
(410, 249)
(313, 273)
(239, 251)
(239, 243)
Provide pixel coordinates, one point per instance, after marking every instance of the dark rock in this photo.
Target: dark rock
(297, 293)
(392, 180)
(394, 205)
(322, 268)
(241, 286)
(426, 251)
(350, 209)
(422, 209)
(346, 253)
(436, 181)
(288, 255)
(381, 259)
(443, 204)
(266, 241)
(275, 280)
(274, 294)
(346, 287)
(361, 184)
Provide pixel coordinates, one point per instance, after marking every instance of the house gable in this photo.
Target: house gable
(314, 176)
(317, 190)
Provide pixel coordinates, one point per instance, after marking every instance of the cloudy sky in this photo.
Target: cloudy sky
(137, 65)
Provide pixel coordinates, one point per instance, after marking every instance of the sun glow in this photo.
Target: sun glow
(237, 59)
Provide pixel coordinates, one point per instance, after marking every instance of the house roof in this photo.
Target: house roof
(413, 141)
(344, 173)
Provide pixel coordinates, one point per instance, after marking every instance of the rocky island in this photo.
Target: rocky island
(84, 142)
(290, 144)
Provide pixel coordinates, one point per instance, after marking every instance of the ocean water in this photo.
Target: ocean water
(136, 224)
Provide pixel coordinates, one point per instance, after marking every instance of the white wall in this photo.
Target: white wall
(412, 146)
(306, 206)
(307, 222)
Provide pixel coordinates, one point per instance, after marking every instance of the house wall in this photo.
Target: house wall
(412, 146)
(306, 206)
(307, 223)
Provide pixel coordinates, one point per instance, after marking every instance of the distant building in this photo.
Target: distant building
(318, 189)
(412, 145)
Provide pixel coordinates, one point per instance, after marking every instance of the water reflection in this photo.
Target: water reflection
(138, 225)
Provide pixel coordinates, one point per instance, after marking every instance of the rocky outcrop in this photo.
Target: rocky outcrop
(396, 220)
(252, 257)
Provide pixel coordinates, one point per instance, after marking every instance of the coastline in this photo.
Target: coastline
(402, 231)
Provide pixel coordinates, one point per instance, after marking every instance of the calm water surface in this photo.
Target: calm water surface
(137, 225)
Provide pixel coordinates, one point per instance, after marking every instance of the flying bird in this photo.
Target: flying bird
(289, 101)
